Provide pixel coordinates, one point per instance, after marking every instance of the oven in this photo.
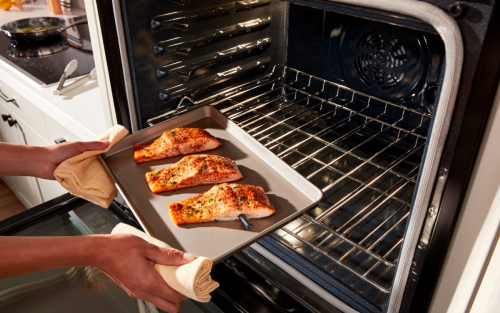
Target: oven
(381, 104)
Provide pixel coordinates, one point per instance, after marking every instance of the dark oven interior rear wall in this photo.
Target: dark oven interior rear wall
(394, 63)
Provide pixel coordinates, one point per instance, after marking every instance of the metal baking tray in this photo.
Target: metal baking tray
(291, 194)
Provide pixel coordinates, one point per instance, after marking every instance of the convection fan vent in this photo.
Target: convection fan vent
(379, 61)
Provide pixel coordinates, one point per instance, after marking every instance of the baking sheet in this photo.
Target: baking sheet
(290, 193)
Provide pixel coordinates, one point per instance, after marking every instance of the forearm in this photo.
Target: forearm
(22, 255)
(21, 160)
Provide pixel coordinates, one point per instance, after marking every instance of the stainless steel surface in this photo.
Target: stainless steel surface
(181, 20)
(77, 83)
(68, 70)
(187, 69)
(291, 194)
(125, 65)
(286, 277)
(185, 45)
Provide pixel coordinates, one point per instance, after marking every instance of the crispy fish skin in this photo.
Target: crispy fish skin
(194, 170)
(178, 141)
(223, 202)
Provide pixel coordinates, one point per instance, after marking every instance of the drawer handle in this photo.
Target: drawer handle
(12, 122)
(5, 98)
(9, 119)
(59, 140)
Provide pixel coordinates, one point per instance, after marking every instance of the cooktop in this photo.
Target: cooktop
(44, 62)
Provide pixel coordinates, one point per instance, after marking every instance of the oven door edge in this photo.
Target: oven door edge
(120, 33)
(451, 36)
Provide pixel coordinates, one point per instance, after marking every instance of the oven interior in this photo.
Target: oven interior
(343, 96)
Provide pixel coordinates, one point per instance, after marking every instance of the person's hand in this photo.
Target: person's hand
(129, 261)
(56, 154)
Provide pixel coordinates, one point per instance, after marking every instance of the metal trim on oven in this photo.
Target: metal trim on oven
(303, 279)
(125, 64)
(450, 34)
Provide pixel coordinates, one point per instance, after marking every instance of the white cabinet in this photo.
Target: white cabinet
(25, 188)
(8, 135)
(30, 126)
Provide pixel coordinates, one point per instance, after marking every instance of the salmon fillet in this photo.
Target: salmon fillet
(223, 202)
(178, 141)
(194, 170)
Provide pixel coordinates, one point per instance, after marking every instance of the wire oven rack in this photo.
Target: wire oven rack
(363, 152)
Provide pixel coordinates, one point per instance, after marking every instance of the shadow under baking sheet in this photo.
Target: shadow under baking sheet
(290, 193)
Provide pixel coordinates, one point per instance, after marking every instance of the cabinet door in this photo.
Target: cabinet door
(28, 190)
(9, 135)
(41, 190)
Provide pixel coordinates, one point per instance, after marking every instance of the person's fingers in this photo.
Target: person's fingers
(169, 256)
(161, 303)
(92, 145)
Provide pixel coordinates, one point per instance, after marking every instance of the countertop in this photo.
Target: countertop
(81, 111)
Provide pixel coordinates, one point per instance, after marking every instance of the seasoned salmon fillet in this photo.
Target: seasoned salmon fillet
(178, 141)
(223, 202)
(194, 170)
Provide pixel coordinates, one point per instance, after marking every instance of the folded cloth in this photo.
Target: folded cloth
(85, 177)
(192, 280)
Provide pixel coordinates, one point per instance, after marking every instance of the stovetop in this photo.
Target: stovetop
(47, 69)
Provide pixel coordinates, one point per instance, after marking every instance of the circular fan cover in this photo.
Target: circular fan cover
(386, 62)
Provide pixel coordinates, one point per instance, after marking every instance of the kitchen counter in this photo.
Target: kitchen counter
(81, 111)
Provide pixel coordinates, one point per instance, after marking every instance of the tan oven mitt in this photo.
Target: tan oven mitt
(192, 280)
(85, 177)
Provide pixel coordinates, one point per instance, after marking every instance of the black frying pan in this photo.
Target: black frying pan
(36, 29)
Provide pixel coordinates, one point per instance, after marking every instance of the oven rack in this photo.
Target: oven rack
(363, 152)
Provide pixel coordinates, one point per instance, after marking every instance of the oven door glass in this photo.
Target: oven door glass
(75, 289)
